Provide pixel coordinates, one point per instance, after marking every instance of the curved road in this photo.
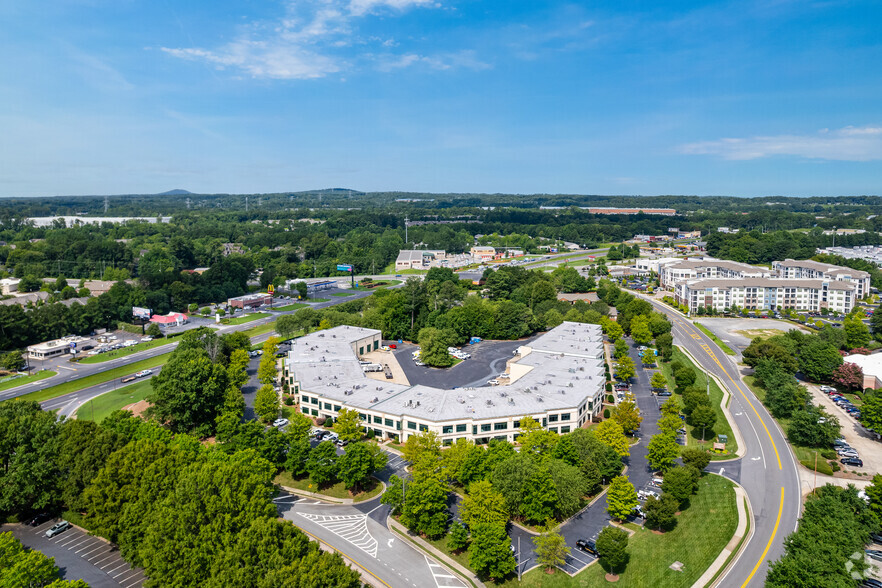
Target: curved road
(768, 469)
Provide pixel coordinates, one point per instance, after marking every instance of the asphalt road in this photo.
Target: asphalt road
(768, 470)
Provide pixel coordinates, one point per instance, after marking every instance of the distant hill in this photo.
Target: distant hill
(175, 192)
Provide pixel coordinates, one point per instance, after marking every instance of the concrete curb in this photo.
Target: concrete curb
(735, 543)
(465, 575)
(323, 498)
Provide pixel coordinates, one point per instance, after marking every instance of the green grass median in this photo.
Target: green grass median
(238, 320)
(21, 381)
(89, 381)
(288, 307)
(726, 349)
(100, 407)
(102, 357)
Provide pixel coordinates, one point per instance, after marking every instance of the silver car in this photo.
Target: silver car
(57, 528)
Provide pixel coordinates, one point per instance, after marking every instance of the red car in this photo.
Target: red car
(393, 346)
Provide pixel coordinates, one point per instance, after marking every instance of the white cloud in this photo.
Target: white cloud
(307, 41)
(442, 61)
(846, 144)
(360, 7)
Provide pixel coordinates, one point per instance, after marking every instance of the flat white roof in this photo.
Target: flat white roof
(870, 364)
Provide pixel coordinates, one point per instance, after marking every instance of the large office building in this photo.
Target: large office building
(558, 380)
(808, 269)
(766, 294)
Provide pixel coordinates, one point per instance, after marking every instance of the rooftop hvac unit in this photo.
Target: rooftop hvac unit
(318, 377)
(511, 400)
(432, 409)
(375, 399)
(418, 403)
(321, 334)
(570, 385)
(540, 399)
(489, 403)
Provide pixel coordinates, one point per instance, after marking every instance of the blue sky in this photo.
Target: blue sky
(739, 98)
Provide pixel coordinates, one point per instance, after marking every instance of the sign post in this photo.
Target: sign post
(270, 290)
(341, 267)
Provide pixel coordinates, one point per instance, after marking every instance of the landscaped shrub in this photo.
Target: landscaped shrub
(320, 421)
(610, 399)
(606, 413)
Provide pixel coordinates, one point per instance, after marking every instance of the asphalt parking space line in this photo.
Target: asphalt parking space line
(578, 560)
(75, 543)
(133, 573)
(111, 563)
(63, 540)
(42, 528)
(133, 582)
(125, 571)
(90, 546)
(102, 555)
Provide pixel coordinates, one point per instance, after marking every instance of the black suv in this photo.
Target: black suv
(852, 461)
(586, 546)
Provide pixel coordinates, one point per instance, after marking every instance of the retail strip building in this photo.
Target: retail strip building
(558, 379)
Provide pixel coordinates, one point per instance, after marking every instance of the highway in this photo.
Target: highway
(768, 469)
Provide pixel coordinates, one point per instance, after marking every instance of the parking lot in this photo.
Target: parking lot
(868, 448)
(80, 556)
(737, 333)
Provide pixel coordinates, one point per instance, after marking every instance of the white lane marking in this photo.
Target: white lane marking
(391, 541)
(435, 575)
(352, 528)
(135, 582)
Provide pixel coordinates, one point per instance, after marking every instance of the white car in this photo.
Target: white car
(493, 382)
(280, 422)
(57, 528)
(146, 339)
(143, 373)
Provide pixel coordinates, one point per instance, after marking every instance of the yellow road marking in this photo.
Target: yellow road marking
(769, 544)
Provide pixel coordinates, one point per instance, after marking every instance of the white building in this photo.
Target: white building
(806, 268)
(696, 269)
(9, 286)
(766, 294)
(558, 380)
(655, 265)
(483, 252)
(59, 347)
(871, 365)
(416, 259)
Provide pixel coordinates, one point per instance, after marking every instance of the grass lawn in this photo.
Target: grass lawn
(74, 385)
(726, 349)
(703, 530)
(294, 306)
(245, 318)
(260, 329)
(101, 358)
(805, 455)
(341, 294)
(98, 408)
(337, 490)
(20, 381)
(693, 438)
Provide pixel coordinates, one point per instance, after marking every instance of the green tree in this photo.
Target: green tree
(703, 418)
(189, 392)
(425, 503)
(29, 444)
(611, 434)
(565, 450)
(348, 425)
(621, 349)
(84, 448)
(818, 359)
(669, 424)
(12, 361)
(625, 369)
(661, 513)
(154, 331)
(490, 552)
(302, 289)
(266, 371)
(418, 445)
(322, 463)
(874, 493)
(539, 442)
(551, 547)
(433, 346)
(770, 348)
(298, 453)
(358, 463)
(813, 427)
(483, 505)
(621, 498)
(612, 546)
(695, 457)
(21, 567)
(627, 415)
(458, 538)
(871, 410)
(658, 380)
(540, 500)
(266, 403)
(680, 482)
(640, 330)
(611, 329)
(662, 451)
(288, 325)
(856, 332)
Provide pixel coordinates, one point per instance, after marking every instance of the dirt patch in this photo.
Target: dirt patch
(762, 333)
(137, 408)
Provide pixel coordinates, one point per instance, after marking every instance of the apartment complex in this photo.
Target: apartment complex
(766, 294)
(806, 268)
(672, 274)
(558, 380)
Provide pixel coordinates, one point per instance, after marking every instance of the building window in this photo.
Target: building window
(485, 427)
(565, 416)
(461, 428)
(552, 429)
(424, 427)
(564, 430)
(447, 430)
(378, 420)
(389, 423)
(474, 429)
(304, 410)
(327, 406)
(500, 426)
(314, 412)
(362, 416)
(516, 424)
(552, 418)
(314, 401)
(448, 442)
(411, 425)
(336, 408)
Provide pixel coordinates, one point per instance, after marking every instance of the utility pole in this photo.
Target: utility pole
(405, 229)
(246, 204)
(106, 204)
(518, 558)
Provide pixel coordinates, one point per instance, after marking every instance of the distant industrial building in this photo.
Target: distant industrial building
(558, 380)
(417, 259)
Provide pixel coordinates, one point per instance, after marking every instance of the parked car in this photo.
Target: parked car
(393, 346)
(586, 546)
(852, 461)
(874, 554)
(57, 528)
(143, 373)
(871, 583)
(342, 442)
(280, 422)
(319, 434)
(876, 537)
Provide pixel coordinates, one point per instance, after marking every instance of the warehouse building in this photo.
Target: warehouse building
(558, 380)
